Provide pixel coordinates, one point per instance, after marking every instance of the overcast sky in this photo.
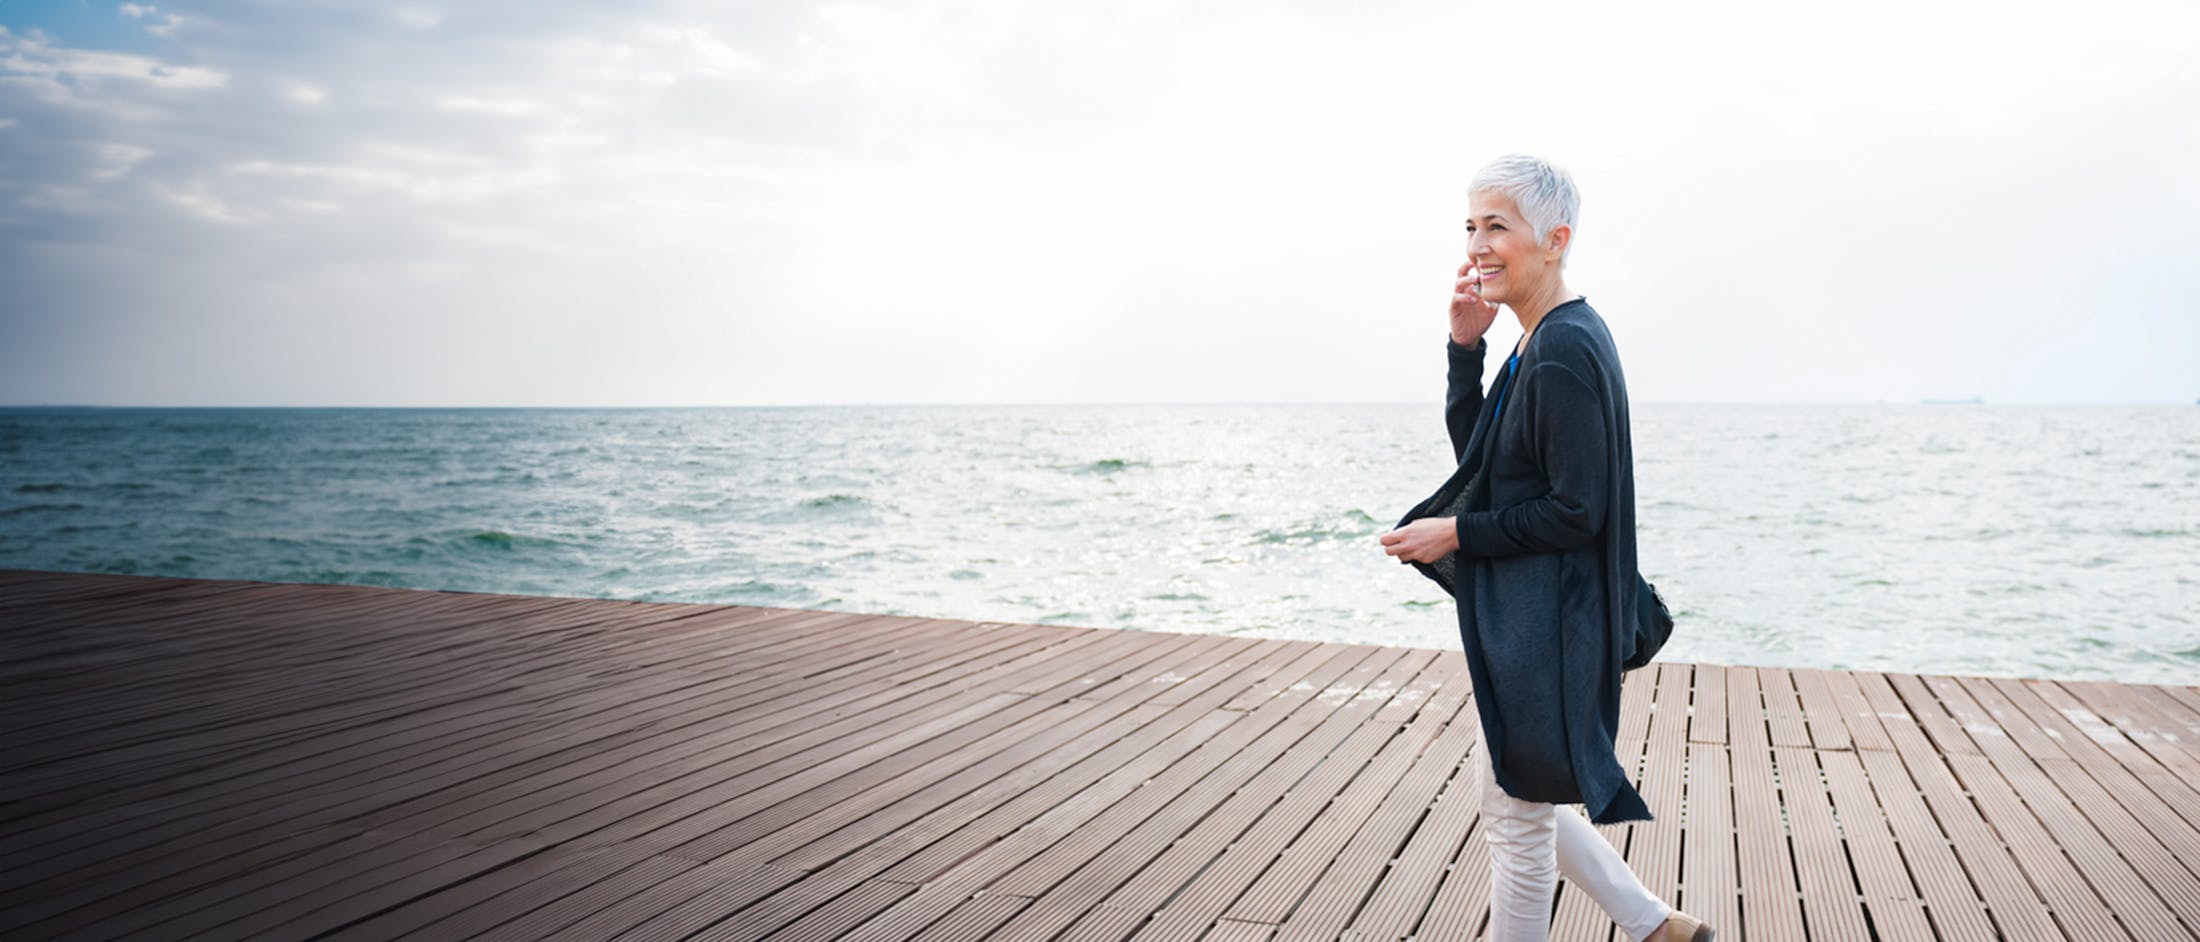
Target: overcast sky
(274, 202)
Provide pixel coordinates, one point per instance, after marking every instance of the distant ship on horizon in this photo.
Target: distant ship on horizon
(1956, 401)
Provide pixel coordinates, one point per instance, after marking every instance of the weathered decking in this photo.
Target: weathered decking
(197, 759)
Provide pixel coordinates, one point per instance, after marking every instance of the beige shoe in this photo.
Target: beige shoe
(1682, 927)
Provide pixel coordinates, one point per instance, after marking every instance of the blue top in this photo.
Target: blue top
(1504, 379)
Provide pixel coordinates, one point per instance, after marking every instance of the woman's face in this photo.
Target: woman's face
(1503, 248)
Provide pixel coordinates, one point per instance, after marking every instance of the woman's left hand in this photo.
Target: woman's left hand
(1423, 541)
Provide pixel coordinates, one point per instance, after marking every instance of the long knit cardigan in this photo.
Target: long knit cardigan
(1545, 573)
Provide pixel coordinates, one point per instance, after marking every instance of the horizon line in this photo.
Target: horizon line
(1931, 401)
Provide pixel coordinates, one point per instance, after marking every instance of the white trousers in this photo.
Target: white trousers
(1531, 843)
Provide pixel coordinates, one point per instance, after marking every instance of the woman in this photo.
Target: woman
(1534, 535)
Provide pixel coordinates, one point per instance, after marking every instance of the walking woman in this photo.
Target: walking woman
(1534, 536)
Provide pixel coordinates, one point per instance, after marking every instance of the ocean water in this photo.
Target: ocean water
(2011, 540)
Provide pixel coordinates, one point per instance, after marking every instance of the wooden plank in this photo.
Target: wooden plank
(779, 789)
(1170, 806)
(1355, 874)
(1132, 760)
(1708, 718)
(452, 764)
(1783, 711)
(1462, 903)
(142, 726)
(270, 715)
(1831, 905)
(2169, 791)
(1004, 777)
(628, 913)
(384, 792)
(1213, 865)
(1711, 875)
(974, 920)
(222, 856)
(1771, 903)
(2077, 909)
(730, 767)
(554, 901)
(360, 764)
(1857, 714)
(825, 922)
(2014, 906)
(684, 919)
(1929, 715)
(780, 800)
(245, 901)
(2189, 696)
(1231, 930)
(2162, 735)
(1242, 749)
(2176, 703)
(1409, 887)
(1902, 859)
(1822, 713)
(1005, 805)
(581, 879)
(1576, 915)
(1279, 891)
(2076, 866)
(2162, 847)
(1654, 847)
(999, 779)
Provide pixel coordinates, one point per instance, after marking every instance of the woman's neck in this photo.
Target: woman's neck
(1532, 310)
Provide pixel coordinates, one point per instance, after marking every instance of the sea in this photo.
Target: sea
(2033, 541)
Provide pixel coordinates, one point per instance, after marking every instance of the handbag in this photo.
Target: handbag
(1653, 624)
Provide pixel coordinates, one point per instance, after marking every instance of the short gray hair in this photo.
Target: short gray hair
(1544, 192)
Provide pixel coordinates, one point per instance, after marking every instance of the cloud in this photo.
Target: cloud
(115, 160)
(63, 74)
(163, 25)
(206, 206)
(510, 107)
(681, 201)
(417, 18)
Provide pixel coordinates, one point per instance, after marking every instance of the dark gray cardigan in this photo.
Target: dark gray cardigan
(1545, 573)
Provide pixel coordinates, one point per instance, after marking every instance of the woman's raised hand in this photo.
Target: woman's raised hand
(1470, 315)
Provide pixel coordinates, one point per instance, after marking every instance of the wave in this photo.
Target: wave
(1090, 517)
(2150, 533)
(1354, 524)
(1106, 466)
(39, 508)
(493, 538)
(835, 509)
(488, 541)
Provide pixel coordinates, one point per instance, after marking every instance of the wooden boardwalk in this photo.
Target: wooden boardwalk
(232, 760)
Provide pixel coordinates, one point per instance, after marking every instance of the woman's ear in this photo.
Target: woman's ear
(1558, 240)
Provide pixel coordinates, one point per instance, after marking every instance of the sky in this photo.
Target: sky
(320, 203)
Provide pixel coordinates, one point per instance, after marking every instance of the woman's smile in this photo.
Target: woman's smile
(1500, 238)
